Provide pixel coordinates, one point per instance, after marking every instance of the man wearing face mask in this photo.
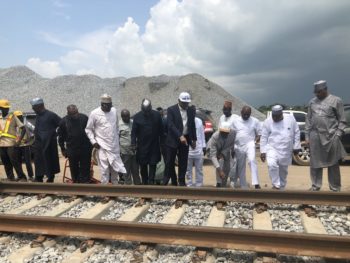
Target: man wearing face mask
(146, 136)
(45, 145)
(181, 135)
(103, 132)
(75, 144)
(227, 115)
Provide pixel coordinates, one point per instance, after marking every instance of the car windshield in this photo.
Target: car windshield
(299, 117)
(347, 115)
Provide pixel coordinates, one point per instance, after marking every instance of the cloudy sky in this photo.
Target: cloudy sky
(261, 51)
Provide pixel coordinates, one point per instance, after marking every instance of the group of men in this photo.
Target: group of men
(124, 148)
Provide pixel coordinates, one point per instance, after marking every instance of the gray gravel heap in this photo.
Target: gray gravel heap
(196, 213)
(79, 209)
(63, 248)
(119, 207)
(43, 208)
(18, 201)
(158, 209)
(336, 220)
(20, 84)
(16, 242)
(239, 215)
(113, 252)
(285, 217)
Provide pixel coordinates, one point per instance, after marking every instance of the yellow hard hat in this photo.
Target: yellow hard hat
(4, 104)
(18, 113)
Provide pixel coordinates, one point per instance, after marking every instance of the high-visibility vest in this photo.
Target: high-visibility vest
(4, 132)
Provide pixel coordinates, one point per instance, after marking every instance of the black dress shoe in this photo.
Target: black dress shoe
(257, 186)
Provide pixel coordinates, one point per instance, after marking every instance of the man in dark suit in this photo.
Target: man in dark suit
(181, 135)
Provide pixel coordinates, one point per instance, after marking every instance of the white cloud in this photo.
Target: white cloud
(236, 42)
(47, 69)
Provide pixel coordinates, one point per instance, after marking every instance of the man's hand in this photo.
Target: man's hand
(296, 151)
(263, 157)
(96, 145)
(193, 144)
(306, 143)
(64, 153)
(133, 147)
(17, 143)
(183, 140)
(220, 173)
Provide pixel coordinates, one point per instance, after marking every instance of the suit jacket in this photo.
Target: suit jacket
(175, 126)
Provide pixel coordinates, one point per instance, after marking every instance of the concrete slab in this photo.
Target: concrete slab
(26, 253)
(216, 218)
(78, 257)
(7, 200)
(134, 213)
(312, 225)
(29, 205)
(262, 221)
(63, 207)
(174, 215)
(97, 211)
(5, 240)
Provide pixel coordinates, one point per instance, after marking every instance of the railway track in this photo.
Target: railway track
(52, 214)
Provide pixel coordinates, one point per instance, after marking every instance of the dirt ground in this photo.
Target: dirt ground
(298, 176)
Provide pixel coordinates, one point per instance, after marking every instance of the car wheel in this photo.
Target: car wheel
(303, 157)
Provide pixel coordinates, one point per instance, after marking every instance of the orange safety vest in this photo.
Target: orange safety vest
(4, 132)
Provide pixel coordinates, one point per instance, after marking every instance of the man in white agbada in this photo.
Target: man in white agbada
(103, 132)
(280, 138)
(196, 156)
(248, 130)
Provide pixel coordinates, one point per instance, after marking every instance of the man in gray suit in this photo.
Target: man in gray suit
(221, 149)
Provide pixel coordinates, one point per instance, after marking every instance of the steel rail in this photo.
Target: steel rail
(211, 237)
(185, 193)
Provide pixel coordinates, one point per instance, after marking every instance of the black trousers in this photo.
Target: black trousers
(25, 152)
(169, 171)
(79, 164)
(148, 175)
(9, 157)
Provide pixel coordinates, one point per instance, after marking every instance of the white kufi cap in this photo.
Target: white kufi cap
(321, 84)
(105, 98)
(277, 109)
(225, 127)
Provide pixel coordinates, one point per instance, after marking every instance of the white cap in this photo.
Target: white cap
(146, 102)
(277, 109)
(185, 97)
(105, 98)
(225, 127)
(321, 84)
(36, 101)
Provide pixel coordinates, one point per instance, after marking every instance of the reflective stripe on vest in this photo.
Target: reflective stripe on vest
(4, 133)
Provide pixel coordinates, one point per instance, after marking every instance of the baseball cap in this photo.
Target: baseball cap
(185, 97)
